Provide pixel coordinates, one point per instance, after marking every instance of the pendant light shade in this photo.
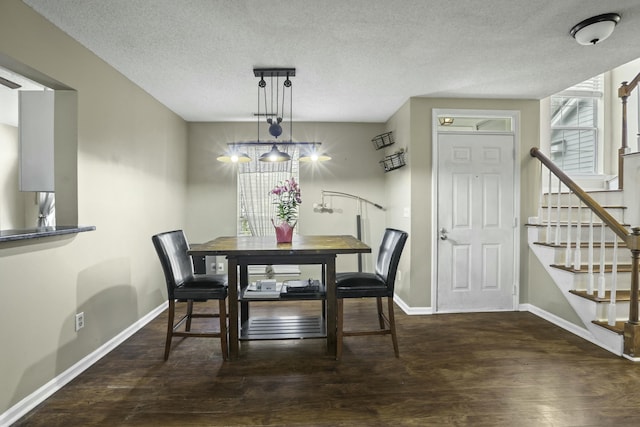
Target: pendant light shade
(312, 155)
(275, 156)
(234, 158)
(234, 155)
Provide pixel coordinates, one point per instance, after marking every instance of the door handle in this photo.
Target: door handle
(443, 234)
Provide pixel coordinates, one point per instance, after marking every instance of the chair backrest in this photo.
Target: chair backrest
(389, 255)
(172, 247)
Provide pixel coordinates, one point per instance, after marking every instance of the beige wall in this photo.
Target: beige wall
(353, 169)
(412, 125)
(398, 193)
(132, 156)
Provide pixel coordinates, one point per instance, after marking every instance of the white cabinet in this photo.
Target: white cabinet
(36, 133)
(48, 138)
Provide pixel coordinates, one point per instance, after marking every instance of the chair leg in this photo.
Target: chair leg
(380, 312)
(223, 329)
(339, 328)
(392, 326)
(189, 314)
(170, 317)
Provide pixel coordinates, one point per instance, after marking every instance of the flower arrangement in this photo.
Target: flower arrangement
(287, 198)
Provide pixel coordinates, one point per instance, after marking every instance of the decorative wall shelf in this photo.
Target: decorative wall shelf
(393, 161)
(383, 140)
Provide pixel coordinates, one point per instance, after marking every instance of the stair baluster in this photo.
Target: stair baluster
(577, 261)
(611, 315)
(541, 196)
(590, 278)
(567, 251)
(601, 276)
(558, 204)
(548, 236)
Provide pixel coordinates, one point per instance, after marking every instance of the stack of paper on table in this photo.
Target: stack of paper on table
(255, 290)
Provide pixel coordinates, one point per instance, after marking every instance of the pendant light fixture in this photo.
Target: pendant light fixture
(273, 97)
(276, 114)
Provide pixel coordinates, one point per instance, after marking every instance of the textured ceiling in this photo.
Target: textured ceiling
(356, 60)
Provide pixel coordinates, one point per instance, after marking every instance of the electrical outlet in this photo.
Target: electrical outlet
(79, 321)
(221, 267)
(213, 267)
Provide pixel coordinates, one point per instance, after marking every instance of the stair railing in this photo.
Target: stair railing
(623, 93)
(631, 239)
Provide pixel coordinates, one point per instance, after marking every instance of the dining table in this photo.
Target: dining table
(243, 251)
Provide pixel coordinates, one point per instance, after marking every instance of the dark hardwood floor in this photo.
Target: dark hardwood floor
(480, 369)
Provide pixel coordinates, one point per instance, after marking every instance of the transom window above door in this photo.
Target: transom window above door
(451, 123)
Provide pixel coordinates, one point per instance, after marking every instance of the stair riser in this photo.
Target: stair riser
(624, 256)
(584, 234)
(585, 215)
(602, 311)
(581, 281)
(615, 198)
(599, 311)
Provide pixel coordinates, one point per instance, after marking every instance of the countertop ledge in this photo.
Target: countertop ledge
(38, 232)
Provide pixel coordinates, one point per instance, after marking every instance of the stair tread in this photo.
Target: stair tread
(618, 328)
(575, 207)
(582, 244)
(573, 224)
(622, 268)
(604, 190)
(620, 296)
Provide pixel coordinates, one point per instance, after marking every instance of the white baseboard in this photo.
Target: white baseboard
(568, 326)
(40, 395)
(411, 310)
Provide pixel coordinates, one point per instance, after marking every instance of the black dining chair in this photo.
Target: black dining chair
(185, 286)
(373, 285)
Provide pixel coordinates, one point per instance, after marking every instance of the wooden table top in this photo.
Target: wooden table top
(267, 245)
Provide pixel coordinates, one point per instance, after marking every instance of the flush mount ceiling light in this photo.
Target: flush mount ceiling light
(273, 98)
(596, 29)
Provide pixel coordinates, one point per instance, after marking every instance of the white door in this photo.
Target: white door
(476, 222)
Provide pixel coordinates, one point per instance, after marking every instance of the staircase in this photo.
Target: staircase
(604, 291)
(583, 242)
(567, 259)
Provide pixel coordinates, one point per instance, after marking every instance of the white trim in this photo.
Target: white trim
(570, 327)
(40, 395)
(515, 131)
(633, 359)
(411, 311)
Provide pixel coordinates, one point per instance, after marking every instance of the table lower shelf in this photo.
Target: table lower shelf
(283, 328)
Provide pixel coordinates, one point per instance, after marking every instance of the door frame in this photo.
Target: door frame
(515, 120)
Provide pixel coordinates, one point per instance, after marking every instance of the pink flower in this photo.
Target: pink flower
(287, 198)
